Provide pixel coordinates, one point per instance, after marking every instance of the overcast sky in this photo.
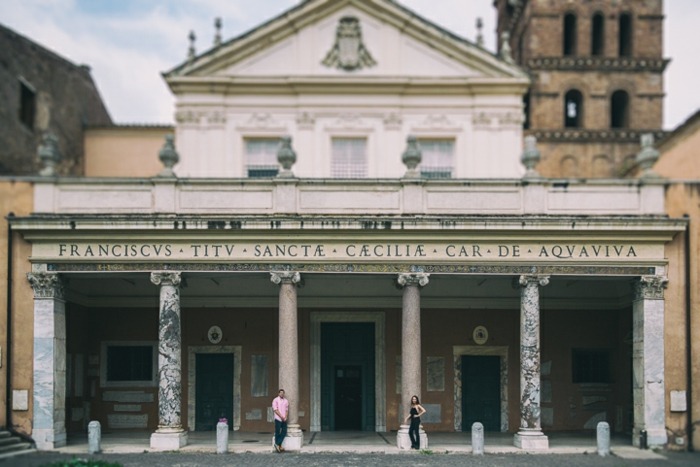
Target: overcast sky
(128, 43)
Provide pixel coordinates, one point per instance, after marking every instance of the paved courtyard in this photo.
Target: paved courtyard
(325, 459)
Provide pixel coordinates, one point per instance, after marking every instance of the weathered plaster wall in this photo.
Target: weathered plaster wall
(682, 199)
(124, 151)
(681, 153)
(16, 197)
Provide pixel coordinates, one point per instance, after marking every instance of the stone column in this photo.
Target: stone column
(410, 352)
(49, 394)
(289, 353)
(170, 433)
(648, 389)
(530, 435)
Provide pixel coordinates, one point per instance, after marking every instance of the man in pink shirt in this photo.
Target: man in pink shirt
(280, 406)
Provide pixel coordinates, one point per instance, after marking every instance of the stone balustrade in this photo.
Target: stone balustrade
(389, 197)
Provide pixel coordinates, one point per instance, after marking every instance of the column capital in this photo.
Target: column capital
(650, 287)
(46, 285)
(285, 277)
(419, 279)
(166, 278)
(539, 279)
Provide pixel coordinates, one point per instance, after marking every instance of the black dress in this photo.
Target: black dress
(413, 429)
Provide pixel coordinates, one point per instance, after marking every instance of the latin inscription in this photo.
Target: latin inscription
(347, 251)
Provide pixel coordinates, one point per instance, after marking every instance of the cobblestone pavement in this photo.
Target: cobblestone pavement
(416, 459)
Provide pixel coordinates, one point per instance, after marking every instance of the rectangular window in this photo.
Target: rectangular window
(437, 158)
(128, 364)
(349, 158)
(590, 366)
(27, 105)
(261, 157)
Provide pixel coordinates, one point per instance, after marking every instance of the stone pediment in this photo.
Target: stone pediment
(344, 40)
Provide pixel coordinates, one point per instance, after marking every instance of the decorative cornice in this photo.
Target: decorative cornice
(285, 277)
(583, 135)
(650, 288)
(166, 278)
(360, 268)
(598, 64)
(418, 279)
(530, 279)
(47, 285)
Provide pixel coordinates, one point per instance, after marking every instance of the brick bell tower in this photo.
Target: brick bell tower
(597, 79)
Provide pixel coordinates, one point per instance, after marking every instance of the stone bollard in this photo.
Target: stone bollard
(222, 438)
(94, 437)
(603, 438)
(477, 439)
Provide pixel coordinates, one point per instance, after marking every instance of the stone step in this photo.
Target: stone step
(18, 446)
(11, 446)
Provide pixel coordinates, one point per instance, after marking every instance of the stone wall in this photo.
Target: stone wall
(66, 100)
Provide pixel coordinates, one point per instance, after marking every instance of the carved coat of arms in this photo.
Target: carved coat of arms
(348, 52)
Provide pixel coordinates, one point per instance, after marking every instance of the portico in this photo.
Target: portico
(547, 304)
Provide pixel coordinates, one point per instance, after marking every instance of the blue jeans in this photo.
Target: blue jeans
(280, 431)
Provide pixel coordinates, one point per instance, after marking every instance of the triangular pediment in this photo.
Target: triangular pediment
(348, 39)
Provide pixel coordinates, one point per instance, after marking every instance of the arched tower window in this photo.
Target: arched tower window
(619, 110)
(569, 34)
(598, 35)
(625, 35)
(526, 110)
(573, 109)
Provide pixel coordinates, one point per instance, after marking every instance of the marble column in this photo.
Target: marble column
(49, 393)
(410, 351)
(289, 353)
(530, 435)
(648, 389)
(170, 433)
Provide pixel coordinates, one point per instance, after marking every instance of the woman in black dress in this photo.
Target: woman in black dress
(414, 415)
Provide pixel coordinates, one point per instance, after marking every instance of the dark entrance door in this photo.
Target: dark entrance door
(347, 376)
(348, 397)
(214, 390)
(481, 392)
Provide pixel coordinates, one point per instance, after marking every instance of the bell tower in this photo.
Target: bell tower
(597, 79)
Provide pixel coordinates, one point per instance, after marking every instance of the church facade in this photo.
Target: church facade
(348, 214)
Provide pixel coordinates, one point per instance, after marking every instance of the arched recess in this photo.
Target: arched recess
(568, 167)
(598, 34)
(573, 109)
(602, 166)
(570, 32)
(619, 109)
(624, 34)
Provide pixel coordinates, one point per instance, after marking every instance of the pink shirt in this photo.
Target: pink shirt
(280, 405)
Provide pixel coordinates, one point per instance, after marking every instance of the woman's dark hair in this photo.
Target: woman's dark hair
(417, 400)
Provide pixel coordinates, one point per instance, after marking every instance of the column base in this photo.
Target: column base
(403, 440)
(531, 440)
(168, 440)
(47, 439)
(294, 439)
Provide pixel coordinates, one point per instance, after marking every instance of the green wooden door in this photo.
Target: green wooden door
(347, 376)
(481, 392)
(214, 390)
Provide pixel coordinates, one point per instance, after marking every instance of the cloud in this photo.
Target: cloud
(128, 43)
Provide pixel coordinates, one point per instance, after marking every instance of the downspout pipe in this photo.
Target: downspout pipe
(8, 329)
(690, 426)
